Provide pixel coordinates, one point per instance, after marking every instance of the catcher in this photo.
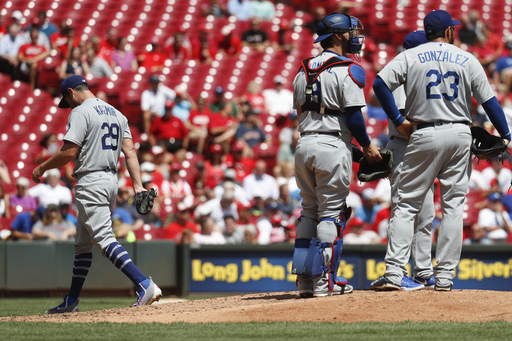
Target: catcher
(96, 135)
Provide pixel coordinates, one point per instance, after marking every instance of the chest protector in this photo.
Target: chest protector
(312, 75)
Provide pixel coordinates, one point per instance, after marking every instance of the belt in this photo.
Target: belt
(440, 123)
(319, 133)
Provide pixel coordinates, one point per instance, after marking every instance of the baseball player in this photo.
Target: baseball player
(422, 238)
(328, 96)
(439, 80)
(96, 135)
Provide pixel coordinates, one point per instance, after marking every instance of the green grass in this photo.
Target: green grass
(229, 331)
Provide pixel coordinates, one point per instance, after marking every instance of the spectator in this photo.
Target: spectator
(9, 47)
(496, 171)
(4, 173)
(503, 69)
(41, 39)
(495, 220)
(44, 24)
(264, 223)
(66, 213)
(345, 7)
(73, 65)
(4, 204)
(21, 227)
(220, 101)
(204, 48)
(285, 200)
(263, 9)
(98, 66)
(3, 28)
(258, 207)
(255, 37)
(230, 184)
(277, 234)
(370, 207)
(52, 226)
(182, 222)
(183, 103)
(358, 235)
(107, 45)
(285, 41)
(153, 101)
(228, 42)
(169, 131)
(64, 40)
(16, 17)
(255, 98)
(489, 48)
(210, 234)
(241, 9)
(125, 202)
(197, 124)
(177, 188)
(477, 236)
(233, 233)
(318, 14)
(223, 125)
(286, 134)
(178, 51)
(153, 60)
(50, 192)
(466, 34)
(239, 161)
(286, 152)
(21, 200)
(213, 166)
(260, 181)
(49, 145)
(249, 131)
(216, 8)
(123, 57)
(219, 208)
(279, 100)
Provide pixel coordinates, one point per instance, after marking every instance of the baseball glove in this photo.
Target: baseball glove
(382, 169)
(144, 200)
(357, 154)
(486, 146)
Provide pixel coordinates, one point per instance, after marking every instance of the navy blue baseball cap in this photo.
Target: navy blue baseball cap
(414, 39)
(438, 21)
(69, 82)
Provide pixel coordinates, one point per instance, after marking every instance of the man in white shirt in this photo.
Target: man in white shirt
(51, 192)
(261, 182)
(9, 46)
(152, 101)
(495, 220)
(279, 100)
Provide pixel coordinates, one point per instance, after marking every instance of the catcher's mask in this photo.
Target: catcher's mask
(341, 23)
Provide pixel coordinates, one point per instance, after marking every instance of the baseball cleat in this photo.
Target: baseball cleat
(148, 295)
(383, 284)
(409, 285)
(337, 290)
(440, 288)
(305, 285)
(306, 293)
(429, 283)
(70, 305)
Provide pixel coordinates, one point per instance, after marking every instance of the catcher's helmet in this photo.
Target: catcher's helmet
(341, 23)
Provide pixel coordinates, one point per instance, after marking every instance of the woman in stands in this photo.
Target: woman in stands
(74, 65)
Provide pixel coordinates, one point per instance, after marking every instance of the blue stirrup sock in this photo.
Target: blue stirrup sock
(121, 259)
(81, 267)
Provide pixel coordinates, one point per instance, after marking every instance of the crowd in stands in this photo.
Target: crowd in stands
(204, 155)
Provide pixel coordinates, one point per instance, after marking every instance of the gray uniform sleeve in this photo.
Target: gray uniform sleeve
(77, 127)
(352, 94)
(482, 91)
(395, 72)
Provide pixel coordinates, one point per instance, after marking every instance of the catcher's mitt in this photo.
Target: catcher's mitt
(382, 169)
(144, 200)
(357, 154)
(486, 146)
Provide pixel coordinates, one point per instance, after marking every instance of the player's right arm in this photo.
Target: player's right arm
(132, 164)
(64, 155)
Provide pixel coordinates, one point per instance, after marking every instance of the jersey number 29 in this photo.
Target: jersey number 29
(452, 75)
(110, 139)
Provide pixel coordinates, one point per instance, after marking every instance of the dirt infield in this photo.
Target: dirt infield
(360, 306)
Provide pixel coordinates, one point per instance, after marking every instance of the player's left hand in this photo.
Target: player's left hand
(37, 173)
(407, 127)
(371, 152)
